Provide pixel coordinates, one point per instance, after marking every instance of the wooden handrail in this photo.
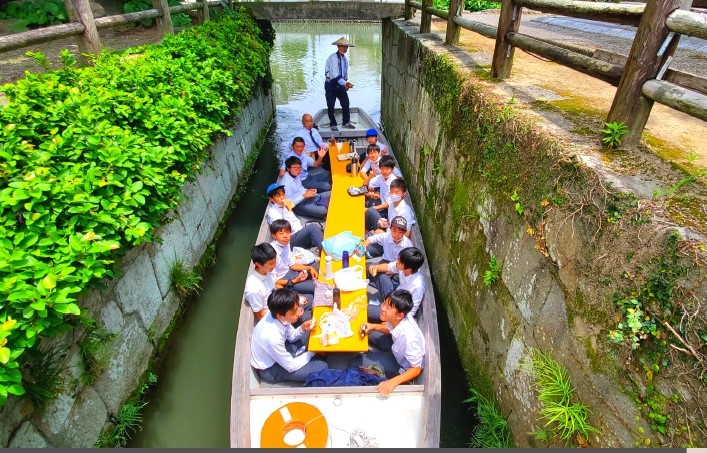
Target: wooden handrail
(52, 33)
(687, 23)
(679, 98)
(600, 11)
(40, 35)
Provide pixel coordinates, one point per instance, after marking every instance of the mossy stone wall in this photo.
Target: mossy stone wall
(489, 182)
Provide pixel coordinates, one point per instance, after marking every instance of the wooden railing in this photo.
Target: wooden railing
(85, 27)
(643, 78)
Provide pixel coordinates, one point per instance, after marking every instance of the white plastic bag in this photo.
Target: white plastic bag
(349, 279)
(335, 325)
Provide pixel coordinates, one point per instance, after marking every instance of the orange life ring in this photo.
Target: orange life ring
(290, 418)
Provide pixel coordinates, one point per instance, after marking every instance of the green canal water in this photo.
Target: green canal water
(190, 404)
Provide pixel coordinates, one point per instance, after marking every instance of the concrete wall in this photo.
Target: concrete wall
(327, 10)
(551, 294)
(140, 305)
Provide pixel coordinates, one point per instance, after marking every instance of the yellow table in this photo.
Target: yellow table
(346, 213)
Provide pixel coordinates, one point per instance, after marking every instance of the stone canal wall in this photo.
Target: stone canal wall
(139, 306)
(491, 184)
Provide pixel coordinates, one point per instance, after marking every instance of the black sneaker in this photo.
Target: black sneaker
(349, 126)
(333, 128)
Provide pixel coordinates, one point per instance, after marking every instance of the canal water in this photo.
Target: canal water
(190, 404)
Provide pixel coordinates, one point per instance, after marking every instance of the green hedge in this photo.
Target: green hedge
(91, 160)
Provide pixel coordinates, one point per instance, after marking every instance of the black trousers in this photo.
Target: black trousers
(343, 97)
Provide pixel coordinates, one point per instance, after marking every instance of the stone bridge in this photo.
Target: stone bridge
(326, 10)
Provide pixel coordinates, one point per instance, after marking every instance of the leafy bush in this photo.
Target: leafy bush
(34, 13)
(493, 273)
(92, 159)
(133, 6)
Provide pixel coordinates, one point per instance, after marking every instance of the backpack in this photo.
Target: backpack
(342, 378)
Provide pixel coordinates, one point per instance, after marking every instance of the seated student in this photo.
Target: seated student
(402, 274)
(261, 281)
(408, 343)
(285, 266)
(389, 243)
(277, 348)
(397, 205)
(321, 180)
(307, 202)
(383, 182)
(279, 207)
(371, 166)
(313, 141)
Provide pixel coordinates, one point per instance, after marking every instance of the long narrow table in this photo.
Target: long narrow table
(346, 213)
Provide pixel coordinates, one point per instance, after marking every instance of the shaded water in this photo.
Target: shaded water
(189, 406)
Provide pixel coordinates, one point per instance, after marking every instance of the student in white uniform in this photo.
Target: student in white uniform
(390, 243)
(279, 207)
(397, 205)
(313, 141)
(278, 350)
(382, 182)
(286, 266)
(406, 358)
(320, 180)
(308, 202)
(402, 274)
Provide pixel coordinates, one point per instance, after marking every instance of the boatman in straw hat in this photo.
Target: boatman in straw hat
(337, 85)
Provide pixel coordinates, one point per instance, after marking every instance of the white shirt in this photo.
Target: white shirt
(285, 259)
(390, 248)
(294, 190)
(309, 144)
(408, 344)
(257, 290)
(384, 185)
(306, 162)
(414, 283)
(274, 212)
(402, 209)
(370, 165)
(268, 345)
(331, 69)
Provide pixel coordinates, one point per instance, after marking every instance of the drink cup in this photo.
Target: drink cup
(373, 270)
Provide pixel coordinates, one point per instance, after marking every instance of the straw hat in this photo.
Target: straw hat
(342, 42)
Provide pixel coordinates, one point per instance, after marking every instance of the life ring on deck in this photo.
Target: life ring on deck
(295, 425)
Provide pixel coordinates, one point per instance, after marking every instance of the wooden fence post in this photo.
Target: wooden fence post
(425, 18)
(165, 22)
(80, 11)
(508, 21)
(408, 10)
(644, 61)
(453, 30)
(205, 11)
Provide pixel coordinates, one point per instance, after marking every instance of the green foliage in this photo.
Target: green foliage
(129, 418)
(613, 133)
(34, 13)
(493, 430)
(93, 158)
(683, 182)
(43, 369)
(493, 273)
(565, 417)
(469, 5)
(518, 205)
(93, 348)
(637, 325)
(185, 281)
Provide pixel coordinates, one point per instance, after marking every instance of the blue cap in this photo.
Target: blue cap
(371, 133)
(272, 188)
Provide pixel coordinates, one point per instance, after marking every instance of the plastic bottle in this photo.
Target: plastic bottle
(336, 300)
(328, 267)
(360, 250)
(345, 259)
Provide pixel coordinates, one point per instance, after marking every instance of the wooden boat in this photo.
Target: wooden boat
(347, 416)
